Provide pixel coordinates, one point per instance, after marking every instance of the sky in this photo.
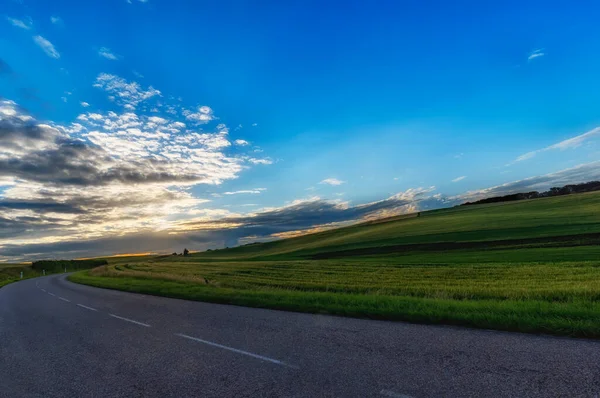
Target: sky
(150, 125)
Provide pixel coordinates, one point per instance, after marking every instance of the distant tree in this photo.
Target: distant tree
(174, 254)
(186, 252)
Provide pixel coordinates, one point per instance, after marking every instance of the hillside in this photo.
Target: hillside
(523, 222)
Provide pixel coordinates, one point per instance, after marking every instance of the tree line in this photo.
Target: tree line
(555, 191)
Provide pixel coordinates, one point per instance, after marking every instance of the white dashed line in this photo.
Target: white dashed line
(129, 320)
(263, 358)
(392, 394)
(64, 299)
(52, 294)
(44, 290)
(87, 308)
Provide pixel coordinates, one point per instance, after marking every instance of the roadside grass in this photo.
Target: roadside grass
(12, 273)
(550, 284)
(571, 318)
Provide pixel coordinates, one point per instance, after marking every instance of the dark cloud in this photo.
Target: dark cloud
(69, 161)
(40, 207)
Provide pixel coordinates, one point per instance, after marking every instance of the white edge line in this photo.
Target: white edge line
(390, 393)
(263, 358)
(130, 320)
(87, 308)
(52, 294)
(64, 299)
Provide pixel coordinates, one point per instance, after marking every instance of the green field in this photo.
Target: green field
(531, 266)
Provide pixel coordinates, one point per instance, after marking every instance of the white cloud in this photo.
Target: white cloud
(246, 191)
(128, 94)
(254, 124)
(260, 161)
(46, 46)
(106, 53)
(56, 20)
(332, 181)
(570, 143)
(84, 104)
(27, 23)
(241, 142)
(536, 54)
(203, 114)
(457, 179)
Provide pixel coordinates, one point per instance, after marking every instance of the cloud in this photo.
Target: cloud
(265, 161)
(536, 54)
(84, 104)
(46, 46)
(56, 20)
(581, 173)
(570, 143)
(105, 174)
(203, 114)
(247, 191)
(128, 94)
(312, 212)
(241, 142)
(26, 23)
(106, 53)
(332, 181)
(457, 179)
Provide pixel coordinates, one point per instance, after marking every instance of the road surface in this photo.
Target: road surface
(59, 339)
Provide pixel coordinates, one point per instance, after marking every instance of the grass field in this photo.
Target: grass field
(12, 272)
(531, 266)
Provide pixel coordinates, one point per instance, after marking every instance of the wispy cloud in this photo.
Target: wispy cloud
(246, 191)
(570, 143)
(241, 142)
(46, 46)
(536, 54)
(265, 161)
(26, 23)
(582, 173)
(457, 179)
(106, 53)
(56, 20)
(332, 181)
(84, 104)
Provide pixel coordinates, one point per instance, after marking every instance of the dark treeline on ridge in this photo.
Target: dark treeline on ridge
(57, 265)
(555, 191)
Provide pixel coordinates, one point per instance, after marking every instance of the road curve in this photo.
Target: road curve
(59, 339)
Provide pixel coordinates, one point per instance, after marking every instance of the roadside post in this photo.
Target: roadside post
(44, 272)
(21, 274)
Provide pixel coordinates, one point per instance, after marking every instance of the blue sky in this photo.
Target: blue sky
(307, 105)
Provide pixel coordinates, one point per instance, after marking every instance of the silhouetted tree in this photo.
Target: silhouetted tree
(186, 252)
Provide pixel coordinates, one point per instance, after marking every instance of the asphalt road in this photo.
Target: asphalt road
(59, 339)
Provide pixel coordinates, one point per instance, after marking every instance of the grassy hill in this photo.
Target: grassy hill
(478, 225)
(530, 266)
